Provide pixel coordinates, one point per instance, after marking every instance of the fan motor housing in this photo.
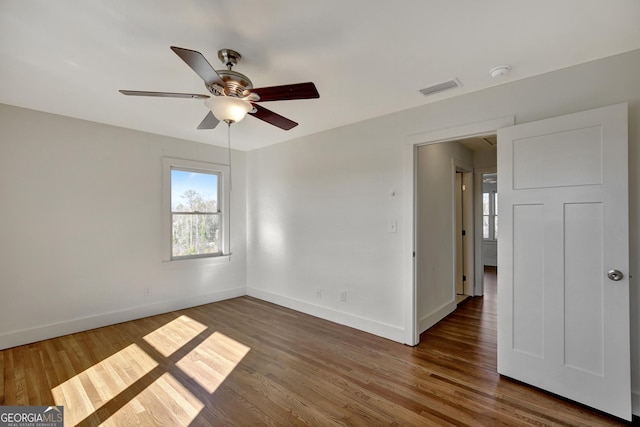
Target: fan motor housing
(236, 82)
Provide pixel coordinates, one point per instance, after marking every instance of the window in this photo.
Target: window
(489, 207)
(195, 222)
(195, 219)
(490, 216)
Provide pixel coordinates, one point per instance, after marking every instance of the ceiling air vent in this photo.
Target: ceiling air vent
(441, 87)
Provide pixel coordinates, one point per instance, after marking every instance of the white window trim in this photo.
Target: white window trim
(223, 170)
(493, 214)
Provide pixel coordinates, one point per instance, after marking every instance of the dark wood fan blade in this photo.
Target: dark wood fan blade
(199, 64)
(209, 122)
(163, 94)
(287, 92)
(273, 118)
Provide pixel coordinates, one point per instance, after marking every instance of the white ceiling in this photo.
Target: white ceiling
(367, 57)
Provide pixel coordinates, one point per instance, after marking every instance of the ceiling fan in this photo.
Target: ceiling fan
(232, 93)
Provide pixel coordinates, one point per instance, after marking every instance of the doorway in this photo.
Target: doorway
(486, 212)
(448, 255)
(417, 317)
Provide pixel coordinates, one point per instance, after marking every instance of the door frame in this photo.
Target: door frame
(412, 335)
(467, 213)
(458, 236)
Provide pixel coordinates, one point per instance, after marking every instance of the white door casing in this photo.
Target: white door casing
(410, 216)
(459, 241)
(563, 325)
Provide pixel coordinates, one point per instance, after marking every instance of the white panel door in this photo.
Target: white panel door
(563, 324)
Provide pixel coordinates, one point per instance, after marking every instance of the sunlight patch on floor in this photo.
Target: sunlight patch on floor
(166, 402)
(213, 360)
(171, 337)
(83, 394)
(146, 395)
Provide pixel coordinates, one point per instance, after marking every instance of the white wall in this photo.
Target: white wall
(435, 248)
(489, 253)
(321, 209)
(484, 159)
(319, 206)
(81, 232)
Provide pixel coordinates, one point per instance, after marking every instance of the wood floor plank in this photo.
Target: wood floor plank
(248, 362)
(2, 378)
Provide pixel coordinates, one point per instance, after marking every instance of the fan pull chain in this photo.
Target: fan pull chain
(229, 151)
(229, 199)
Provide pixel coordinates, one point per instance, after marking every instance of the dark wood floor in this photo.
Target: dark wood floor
(246, 362)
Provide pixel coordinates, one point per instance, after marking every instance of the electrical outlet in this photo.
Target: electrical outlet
(147, 292)
(318, 293)
(343, 296)
(393, 226)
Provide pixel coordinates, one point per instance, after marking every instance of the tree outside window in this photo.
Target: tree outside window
(195, 214)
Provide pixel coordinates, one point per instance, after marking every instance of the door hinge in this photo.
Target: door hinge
(414, 254)
(464, 278)
(464, 232)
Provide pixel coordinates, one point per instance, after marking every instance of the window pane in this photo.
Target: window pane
(495, 203)
(195, 234)
(486, 209)
(485, 227)
(495, 227)
(193, 191)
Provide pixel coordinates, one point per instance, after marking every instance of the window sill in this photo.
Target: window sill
(191, 262)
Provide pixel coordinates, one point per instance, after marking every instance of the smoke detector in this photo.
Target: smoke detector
(499, 71)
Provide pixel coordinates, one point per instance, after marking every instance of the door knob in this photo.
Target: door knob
(615, 275)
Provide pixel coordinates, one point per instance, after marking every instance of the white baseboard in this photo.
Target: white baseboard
(435, 316)
(384, 330)
(26, 336)
(635, 403)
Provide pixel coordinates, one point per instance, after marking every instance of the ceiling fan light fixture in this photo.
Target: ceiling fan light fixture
(228, 108)
(233, 94)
